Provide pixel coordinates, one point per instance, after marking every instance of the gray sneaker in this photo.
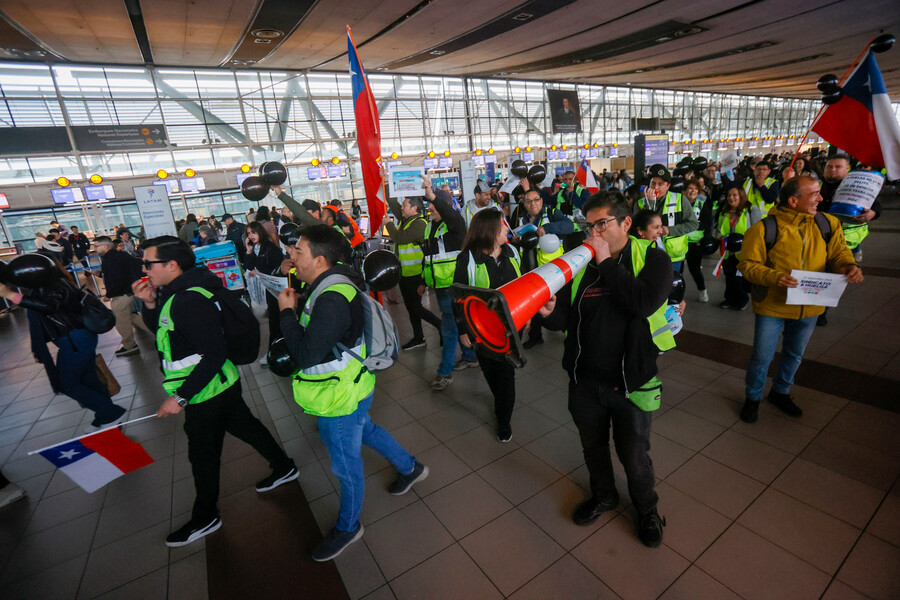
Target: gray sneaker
(334, 543)
(462, 363)
(403, 482)
(440, 382)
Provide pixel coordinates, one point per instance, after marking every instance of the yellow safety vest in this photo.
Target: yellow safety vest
(439, 267)
(410, 254)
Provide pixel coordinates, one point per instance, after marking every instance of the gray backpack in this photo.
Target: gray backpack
(380, 333)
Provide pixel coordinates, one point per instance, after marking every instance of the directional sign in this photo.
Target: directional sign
(89, 138)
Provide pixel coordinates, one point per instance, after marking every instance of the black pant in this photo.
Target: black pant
(501, 378)
(535, 332)
(694, 262)
(737, 291)
(273, 314)
(409, 289)
(594, 406)
(205, 425)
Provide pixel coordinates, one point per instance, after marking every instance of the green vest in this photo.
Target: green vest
(647, 397)
(855, 233)
(410, 254)
(559, 196)
(676, 246)
(439, 267)
(739, 227)
(755, 197)
(697, 235)
(176, 371)
(334, 388)
(478, 274)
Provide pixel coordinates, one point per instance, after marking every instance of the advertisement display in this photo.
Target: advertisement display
(155, 210)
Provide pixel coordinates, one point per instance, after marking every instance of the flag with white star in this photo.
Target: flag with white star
(96, 459)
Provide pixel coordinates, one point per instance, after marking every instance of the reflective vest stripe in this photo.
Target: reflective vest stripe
(187, 361)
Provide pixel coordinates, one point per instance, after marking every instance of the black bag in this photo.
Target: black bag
(240, 325)
(97, 318)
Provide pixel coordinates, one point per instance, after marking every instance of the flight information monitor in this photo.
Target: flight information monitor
(192, 184)
(171, 185)
(431, 163)
(67, 195)
(99, 192)
(445, 163)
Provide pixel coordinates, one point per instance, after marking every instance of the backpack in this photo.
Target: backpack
(771, 229)
(240, 325)
(95, 315)
(379, 332)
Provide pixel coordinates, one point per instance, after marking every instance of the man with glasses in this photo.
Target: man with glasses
(199, 379)
(546, 220)
(614, 313)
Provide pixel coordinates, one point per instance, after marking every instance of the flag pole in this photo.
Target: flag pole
(153, 416)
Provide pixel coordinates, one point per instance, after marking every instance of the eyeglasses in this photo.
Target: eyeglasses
(600, 226)
(148, 263)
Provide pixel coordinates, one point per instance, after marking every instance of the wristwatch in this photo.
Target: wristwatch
(181, 401)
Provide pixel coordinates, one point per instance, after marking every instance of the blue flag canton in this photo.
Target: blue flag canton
(66, 454)
(867, 80)
(357, 77)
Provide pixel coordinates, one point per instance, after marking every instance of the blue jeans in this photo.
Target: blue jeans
(450, 334)
(676, 266)
(344, 436)
(765, 340)
(77, 365)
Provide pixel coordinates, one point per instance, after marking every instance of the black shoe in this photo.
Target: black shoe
(413, 343)
(114, 415)
(785, 403)
(192, 531)
(750, 411)
(504, 433)
(277, 478)
(335, 542)
(822, 320)
(742, 306)
(725, 304)
(532, 342)
(650, 528)
(123, 351)
(590, 510)
(403, 482)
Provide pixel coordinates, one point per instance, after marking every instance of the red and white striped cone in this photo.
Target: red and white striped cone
(493, 318)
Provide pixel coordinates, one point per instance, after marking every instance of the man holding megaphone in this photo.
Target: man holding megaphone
(614, 313)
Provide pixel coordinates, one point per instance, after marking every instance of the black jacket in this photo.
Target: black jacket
(268, 261)
(235, 234)
(120, 270)
(198, 327)
(608, 334)
(58, 307)
(333, 320)
(80, 244)
(456, 225)
(500, 271)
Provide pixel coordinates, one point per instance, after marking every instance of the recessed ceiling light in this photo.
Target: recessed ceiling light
(523, 16)
(267, 34)
(438, 52)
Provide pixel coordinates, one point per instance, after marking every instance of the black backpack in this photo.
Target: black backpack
(771, 229)
(95, 315)
(239, 324)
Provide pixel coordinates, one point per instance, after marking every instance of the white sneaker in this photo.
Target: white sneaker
(264, 360)
(704, 296)
(10, 493)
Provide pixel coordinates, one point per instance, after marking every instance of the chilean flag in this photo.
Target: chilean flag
(368, 138)
(96, 459)
(585, 177)
(862, 122)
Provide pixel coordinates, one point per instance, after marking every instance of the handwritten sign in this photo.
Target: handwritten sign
(856, 193)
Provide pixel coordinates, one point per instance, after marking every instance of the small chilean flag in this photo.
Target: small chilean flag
(862, 122)
(585, 177)
(95, 460)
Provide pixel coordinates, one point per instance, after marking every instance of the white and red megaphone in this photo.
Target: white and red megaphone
(493, 318)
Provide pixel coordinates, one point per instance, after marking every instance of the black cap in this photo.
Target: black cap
(227, 216)
(660, 171)
(482, 187)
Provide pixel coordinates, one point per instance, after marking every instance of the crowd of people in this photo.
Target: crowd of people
(615, 311)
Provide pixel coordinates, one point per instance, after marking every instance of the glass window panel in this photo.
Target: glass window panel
(82, 81)
(144, 163)
(48, 168)
(108, 165)
(35, 113)
(176, 84)
(204, 206)
(126, 213)
(230, 157)
(181, 113)
(194, 159)
(129, 83)
(23, 225)
(15, 170)
(26, 80)
(217, 84)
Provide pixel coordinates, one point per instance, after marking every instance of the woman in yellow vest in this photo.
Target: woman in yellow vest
(736, 215)
(487, 261)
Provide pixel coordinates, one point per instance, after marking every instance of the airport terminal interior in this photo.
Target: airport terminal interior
(99, 98)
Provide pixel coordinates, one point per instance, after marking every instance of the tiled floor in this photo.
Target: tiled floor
(806, 508)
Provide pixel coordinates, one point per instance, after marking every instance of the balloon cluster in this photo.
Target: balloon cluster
(698, 165)
(829, 84)
(33, 270)
(255, 188)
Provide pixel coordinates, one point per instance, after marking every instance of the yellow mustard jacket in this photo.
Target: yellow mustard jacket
(799, 245)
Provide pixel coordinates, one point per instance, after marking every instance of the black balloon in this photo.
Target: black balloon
(273, 173)
(708, 245)
(519, 168)
(32, 270)
(700, 163)
(4, 271)
(279, 359)
(733, 242)
(677, 293)
(254, 188)
(529, 240)
(289, 233)
(833, 97)
(381, 270)
(827, 84)
(684, 162)
(883, 43)
(536, 174)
